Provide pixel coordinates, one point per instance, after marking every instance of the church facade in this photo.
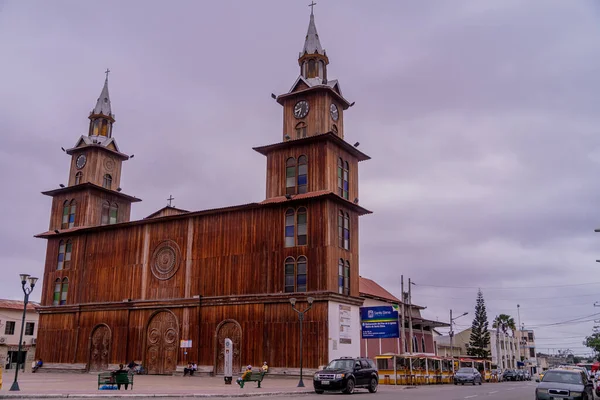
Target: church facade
(116, 290)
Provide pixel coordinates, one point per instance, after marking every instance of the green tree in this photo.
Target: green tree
(505, 322)
(480, 336)
(593, 342)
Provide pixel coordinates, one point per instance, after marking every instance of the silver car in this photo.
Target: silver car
(467, 375)
(565, 384)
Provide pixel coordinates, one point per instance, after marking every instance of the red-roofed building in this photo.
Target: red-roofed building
(423, 343)
(11, 315)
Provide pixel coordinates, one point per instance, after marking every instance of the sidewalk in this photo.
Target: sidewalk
(65, 385)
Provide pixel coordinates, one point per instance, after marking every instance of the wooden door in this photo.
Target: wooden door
(162, 339)
(233, 331)
(100, 348)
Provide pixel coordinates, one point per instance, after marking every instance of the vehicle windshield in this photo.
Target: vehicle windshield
(341, 364)
(563, 377)
(465, 371)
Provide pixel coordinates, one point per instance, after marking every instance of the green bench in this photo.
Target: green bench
(110, 379)
(252, 377)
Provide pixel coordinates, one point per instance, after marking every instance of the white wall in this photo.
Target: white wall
(16, 316)
(337, 349)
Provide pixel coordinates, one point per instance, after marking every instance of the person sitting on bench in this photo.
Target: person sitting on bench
(38, 365)
(118, 372)
(188, 370)
(246, 373)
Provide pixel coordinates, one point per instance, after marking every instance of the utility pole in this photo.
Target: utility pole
(402, 333)
(410, 325)
(452, 341)
(519, 333)
(499, 363)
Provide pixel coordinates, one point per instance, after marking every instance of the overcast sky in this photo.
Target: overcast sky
(481, 118)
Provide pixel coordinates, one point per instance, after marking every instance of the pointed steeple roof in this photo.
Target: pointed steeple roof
(312, 44)
(103, 103)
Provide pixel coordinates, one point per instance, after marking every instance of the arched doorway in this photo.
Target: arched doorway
(228, 329)
(100, 342)
(162, 337)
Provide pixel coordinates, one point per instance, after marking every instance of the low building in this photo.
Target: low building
(528, 354)
(503, 347)
(11, 314)
(423, 342)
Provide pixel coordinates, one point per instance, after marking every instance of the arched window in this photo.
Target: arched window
(302, 174)
(289, 228)
(107, 181)
(65, 217)
(343, 178)
(301, 274)
(415, 344)
(104, 129)
(341, 229)
(114, 210)
(347, 278)
(69, 209)
(290, 266)
(423, 344)
(312, 68)
(78, 177)
(104, 216)
(341, 276)
(300, 130)
(301, 225)
(295, 275)
(64, 255)
(63, 291)
(56, 298)
(321, 69)
(290, 176)
(346, 243)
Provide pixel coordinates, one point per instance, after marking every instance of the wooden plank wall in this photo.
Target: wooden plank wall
(318, 120)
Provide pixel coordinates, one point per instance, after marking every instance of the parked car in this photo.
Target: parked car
(565, 384)
(467, 375)
(510, 375)
(345, 374)
(498, 374)
(520, 375)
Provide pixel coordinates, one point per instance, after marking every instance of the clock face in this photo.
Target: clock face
(333, 111)
(301, 109)
(80, 163)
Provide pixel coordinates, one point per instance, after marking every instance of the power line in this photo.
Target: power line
(512, 298)
(508, 288)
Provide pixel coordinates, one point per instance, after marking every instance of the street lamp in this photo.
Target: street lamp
(301, 318)
(27, 291)
(452, 336)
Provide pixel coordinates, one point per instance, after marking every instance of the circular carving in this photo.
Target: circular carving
(109, 164)
(165, 260)
(153, 336)
(171, 336)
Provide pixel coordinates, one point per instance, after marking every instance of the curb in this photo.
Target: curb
(145, 395)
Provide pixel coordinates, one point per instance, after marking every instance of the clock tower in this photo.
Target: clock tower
(93, 195)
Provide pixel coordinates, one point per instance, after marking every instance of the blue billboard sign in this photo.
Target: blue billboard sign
(379, 322)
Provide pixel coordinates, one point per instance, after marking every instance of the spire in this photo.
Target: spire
(312, 44)
(103, 103)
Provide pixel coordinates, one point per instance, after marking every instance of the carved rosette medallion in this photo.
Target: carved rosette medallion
(165, 260)
(109, 164)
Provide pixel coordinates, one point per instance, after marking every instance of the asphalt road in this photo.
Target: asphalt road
(489, 391)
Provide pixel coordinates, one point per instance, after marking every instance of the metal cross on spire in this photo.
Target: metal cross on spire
(170, 199)
(312, 6)
(107, 72)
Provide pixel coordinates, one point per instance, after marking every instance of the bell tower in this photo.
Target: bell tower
(93, 195)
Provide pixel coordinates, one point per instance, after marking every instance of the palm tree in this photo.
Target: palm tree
(505, 322)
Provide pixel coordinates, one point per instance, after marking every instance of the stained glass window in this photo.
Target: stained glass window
(341, 276)
(301, 226)
(61, 255)
(78, 177)
(290, 176)
(301, 274)
(114, 209)
(347, 278)
(104, 216)
(289, 228)
(64, 290)
(302, 174)
(107, 183)
(289, 275)
(57, 286)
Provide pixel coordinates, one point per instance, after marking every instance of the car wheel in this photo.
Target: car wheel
(349, 386)
(319, 391)
(373, 385)
(473, 382)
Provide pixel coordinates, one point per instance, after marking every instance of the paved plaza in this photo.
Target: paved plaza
(61, 385)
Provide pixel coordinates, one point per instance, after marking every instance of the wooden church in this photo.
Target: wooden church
(116, 290)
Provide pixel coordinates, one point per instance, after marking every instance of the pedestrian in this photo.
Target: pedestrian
(247, 372)
(188, 370)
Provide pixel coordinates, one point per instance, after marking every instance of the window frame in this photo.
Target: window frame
(301, 239)
(12, 325)
(105, 213)
(343, 176)
(347, 278)
(295, 275)
(107, 181)
(56, 293)
(290, 166)
(302, 188)
(289, 233)
(64, 291)
(29, 327)
(300, 130)
(72, 214)
(340, 284)
(113, 207)
(78, 177)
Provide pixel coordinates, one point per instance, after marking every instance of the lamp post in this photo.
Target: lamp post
(27, 291)
(301, 318)
(452, 336)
